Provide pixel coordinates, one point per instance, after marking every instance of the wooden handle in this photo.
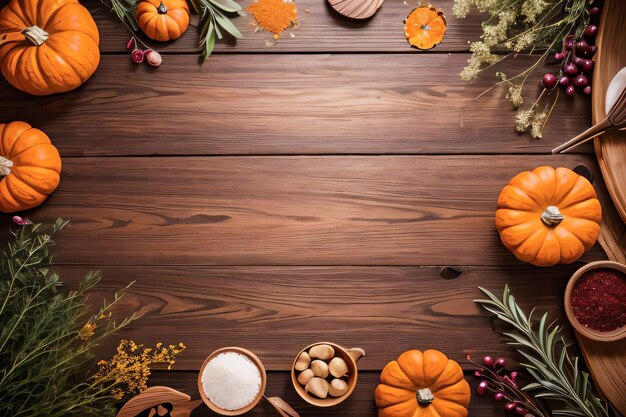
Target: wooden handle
(356, 353)
(7, 37)
(155, 396)
(586, 136)
(282, 407)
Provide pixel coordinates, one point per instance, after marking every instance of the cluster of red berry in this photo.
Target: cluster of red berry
(151, 56)
(502, 384)
(576, 57)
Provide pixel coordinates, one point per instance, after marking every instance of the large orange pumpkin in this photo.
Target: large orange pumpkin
(424, 384)
(548, 216)
(424, 27)
(163, 20)
(30, 164)
(47, 46)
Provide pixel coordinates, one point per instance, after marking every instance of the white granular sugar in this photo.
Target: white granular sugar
(231, 381)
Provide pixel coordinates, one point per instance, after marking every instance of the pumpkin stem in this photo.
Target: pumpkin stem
(552, 216)
(162, 9)
(424, 396)
(36, 35)
(5, 166)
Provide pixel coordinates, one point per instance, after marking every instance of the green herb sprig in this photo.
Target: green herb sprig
(213, 20)
(125, 12)
(47, 337)
(557, 375)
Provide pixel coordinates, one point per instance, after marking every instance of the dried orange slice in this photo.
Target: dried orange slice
(424, 27)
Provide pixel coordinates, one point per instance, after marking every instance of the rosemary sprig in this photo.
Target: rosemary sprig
(557, 375)
(213, 20)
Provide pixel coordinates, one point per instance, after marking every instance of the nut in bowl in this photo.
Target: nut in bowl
(595, 301)
(325, 374)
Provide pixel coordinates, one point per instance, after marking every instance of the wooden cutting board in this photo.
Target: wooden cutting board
(356, 9)
(607, 361)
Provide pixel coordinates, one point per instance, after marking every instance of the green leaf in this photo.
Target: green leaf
(230, 6)
(227, 25)
(209, 42)
(532, 386)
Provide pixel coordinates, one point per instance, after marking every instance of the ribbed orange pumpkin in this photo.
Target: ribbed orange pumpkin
(424, 384)
(163, 20)
(548, 216)
(47, 46)
(30, 164)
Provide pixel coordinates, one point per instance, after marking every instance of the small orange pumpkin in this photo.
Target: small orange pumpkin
(548, 216)
(47, 46)
(163, 20)
(424, 27)
(422, 385)
(30, 164)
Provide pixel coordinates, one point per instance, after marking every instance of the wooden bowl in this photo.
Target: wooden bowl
(351, 356)
(250, 406)
(597, 335)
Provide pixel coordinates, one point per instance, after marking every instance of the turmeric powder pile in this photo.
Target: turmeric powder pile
(274, 15)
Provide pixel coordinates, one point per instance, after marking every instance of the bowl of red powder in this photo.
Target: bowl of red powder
(595, 301)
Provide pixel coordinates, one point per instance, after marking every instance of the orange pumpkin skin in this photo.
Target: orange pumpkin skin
(529, 226)
(65, 60)
(34, 170)
(163, 20)
(416, 373)
(424, 27)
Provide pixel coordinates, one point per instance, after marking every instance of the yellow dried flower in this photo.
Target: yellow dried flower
(515, 95)
(87, 331)
(130, 367)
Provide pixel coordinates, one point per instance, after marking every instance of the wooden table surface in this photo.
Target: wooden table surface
(277, 196)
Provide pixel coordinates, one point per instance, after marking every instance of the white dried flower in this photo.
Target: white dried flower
(523, 120)
(515, 95)
(536, 126)
(481, 57)
(531, 9)
(524, 40)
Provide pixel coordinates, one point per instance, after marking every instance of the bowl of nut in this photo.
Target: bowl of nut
(325, 374)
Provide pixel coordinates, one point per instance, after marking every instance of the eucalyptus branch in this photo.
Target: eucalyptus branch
(556, 374)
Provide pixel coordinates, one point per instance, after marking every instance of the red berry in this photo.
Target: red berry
(587, 51)
(568, 42)
(570, 69)
(591, 31)
(594, 10)
(520, 410)
(477, 374)
(570, 90)
(585, 65)
(559, 56)
(564, 80)
(500, 363)
(580, 80)
(137, 56)
(482, 387)
(153, 58)
(130, 43)
(499, 396)
(513, 375)
(510, 406)
(549, 81)
(587, 90)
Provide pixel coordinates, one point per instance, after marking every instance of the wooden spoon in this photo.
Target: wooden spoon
(615, 118)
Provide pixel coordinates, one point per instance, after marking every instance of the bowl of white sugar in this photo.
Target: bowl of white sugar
(231, 381)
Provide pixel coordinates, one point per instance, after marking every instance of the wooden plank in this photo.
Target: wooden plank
(289, 104)
(360, 404)
(385, 210)
(321, 30)
(276, 311)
